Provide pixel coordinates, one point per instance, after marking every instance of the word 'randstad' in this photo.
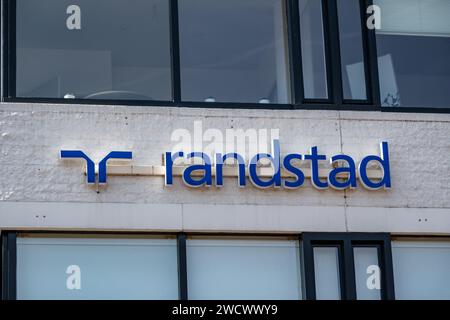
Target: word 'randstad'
(335, 179)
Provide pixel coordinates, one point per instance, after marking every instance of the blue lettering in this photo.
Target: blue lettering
(299, 176)
(385, 182)
(315, 158)
(220, 160)
(169, 159)
(206, 167)
(350, 181)
(276, 160)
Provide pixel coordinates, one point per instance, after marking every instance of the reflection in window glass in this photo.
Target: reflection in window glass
(313, 50)
(102, 49)
(421, 270)
(413, 53)
(352, 54)
(233, 51)
(251, 269)
(96, 268)
(326, 272)
(367, 273)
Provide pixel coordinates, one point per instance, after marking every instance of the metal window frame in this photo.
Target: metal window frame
(8, 265)
(8, 257)
(182, 267)
(335, 99)
(306, 242)
(251, 236)
(342, 272)
(8, 49)
(346, 242)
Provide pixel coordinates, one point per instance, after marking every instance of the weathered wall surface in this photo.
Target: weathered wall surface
(37, 190)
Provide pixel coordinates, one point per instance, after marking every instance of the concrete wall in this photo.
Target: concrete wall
(39, 191)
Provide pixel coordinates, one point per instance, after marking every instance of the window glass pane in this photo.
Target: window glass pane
(251, 269)
(421, 270)
(313, 50)
(234, 51)
(352, 53)
(326, 272)
(367, 273)
(102, 49)
(413, 48)
(83, 268)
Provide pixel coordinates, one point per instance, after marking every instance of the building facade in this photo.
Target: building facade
(82, 79)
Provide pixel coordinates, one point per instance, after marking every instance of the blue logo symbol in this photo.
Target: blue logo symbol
(90, 165)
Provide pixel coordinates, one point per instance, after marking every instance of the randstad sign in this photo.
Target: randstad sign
(344, 172)
(351, 171)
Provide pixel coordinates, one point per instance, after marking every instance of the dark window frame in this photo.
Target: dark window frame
(345, 241)
(8, 265)
(335, 100)
(8, 257)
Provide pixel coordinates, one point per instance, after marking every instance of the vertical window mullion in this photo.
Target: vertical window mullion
(365, 40)
(2, 263)
(382, 265)
(308, 267)
(295, 54)
(342, 271)
(302, 267)
(5, 29)
(182, 267)
(175, 51)
(388, 289)
(371, 57)
(12, 50)
(9, 265)
(366, 53)
(333, 51)
(328, 53)
(349, 271)
(9, 48)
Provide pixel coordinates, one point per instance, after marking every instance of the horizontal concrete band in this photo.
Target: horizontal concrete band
(149, 170)
(73, 216)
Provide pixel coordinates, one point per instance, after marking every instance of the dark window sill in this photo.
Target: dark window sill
(232, 105)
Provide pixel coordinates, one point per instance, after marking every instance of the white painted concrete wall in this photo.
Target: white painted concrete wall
(38, 191)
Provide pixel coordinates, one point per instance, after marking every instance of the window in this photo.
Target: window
(347, 266)
(102, 49)
(327, 273)
(413, 49)
(234, 51)
(83, 267)
(118, 266)
(421, 269)
(352, 50)
(243, 269)
(314, 67)
(247, 54)
(367, 273)
(120, 50)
